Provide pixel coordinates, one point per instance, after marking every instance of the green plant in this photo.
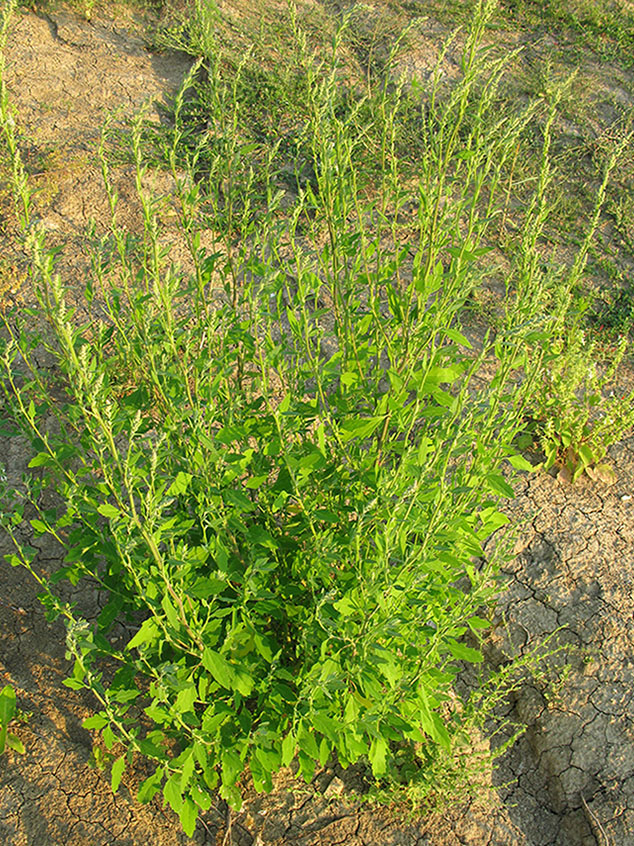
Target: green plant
(8, 711)
(278, 462)
(581, 410)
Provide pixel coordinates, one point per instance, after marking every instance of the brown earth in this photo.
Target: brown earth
(568, 782)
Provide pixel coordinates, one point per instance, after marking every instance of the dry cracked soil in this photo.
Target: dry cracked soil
(569, 781)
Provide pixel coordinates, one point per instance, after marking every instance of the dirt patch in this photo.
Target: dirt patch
(570, 780)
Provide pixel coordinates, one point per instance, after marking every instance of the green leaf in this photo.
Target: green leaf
(306, 766)
(41, 459)
(7, 710)
(255, 482)
(361, 428)
(14, 742)
(204, 588)
(150, 787)
(242, 682)
(185, 699)
(586, 455)
(148, 633)
(458, 337)
(7, 704)
(97, 721)
(180, 484)
(378, 756)
(107, 510)
(231, 767)
(520, 463)
(74, 684)
(307, 741)
(464, 653)
(200, 797)
(324, 752)
(288, 749)
(499, 485)
(117, 771)
(188, 815)
(172, 792)
(218, 667)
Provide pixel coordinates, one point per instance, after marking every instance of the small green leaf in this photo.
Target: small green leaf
(255, 482)
(41, 459)
(14, 742)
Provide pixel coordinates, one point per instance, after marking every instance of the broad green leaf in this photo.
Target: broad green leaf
(218, 667)
(458, 337)
(180, 484)
(97, 721)
(324, 752)
(586, 454)
(231, 767)
(255, 482)
(40, 460)
(325, 725)
(200, 797)
(148, 633)
(150, 787)
(520, 463)
(170, 612)
(188, 815)
(361, 428)
(499, 485)
(117, 771)
(172, 792)
(464, 653)
(378, 756)
(306, 766)
(189, 764)
(204, 588)
(107, 510)
(185, 699)
(288, 749)
(307, 742)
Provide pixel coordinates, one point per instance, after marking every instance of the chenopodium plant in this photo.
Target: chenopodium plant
(284, 535)
(277, 467)
(287, 560)
(581, 409)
